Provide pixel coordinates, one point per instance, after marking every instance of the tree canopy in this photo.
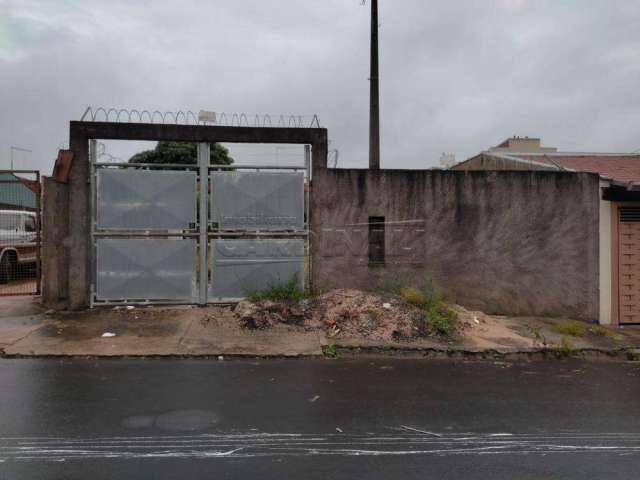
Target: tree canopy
(181, 153)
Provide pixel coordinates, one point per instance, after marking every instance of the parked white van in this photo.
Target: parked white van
(18, 242)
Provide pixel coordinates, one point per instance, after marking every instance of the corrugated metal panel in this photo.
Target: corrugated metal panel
(141, 269)
(141, 200)
(241, 267)
(14, 193)
(258, 200)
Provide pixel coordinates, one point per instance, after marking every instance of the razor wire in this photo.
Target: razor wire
(188, 117)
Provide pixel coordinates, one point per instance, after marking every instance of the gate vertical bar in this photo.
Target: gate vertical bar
(93, 150)
(203, 218)
(308, 165)
(39, 236)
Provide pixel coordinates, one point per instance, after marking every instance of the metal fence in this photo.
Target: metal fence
(20, 238)
(196, 233)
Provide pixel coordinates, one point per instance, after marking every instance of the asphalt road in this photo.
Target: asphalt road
(402, 419)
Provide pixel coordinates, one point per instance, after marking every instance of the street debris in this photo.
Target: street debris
(339, 430)
(411, 429)
(314, 399)
(342, 313)
(108, 335)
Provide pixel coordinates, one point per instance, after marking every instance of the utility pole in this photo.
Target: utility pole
(374, 100)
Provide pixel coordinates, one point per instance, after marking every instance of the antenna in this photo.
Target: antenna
(17, 149)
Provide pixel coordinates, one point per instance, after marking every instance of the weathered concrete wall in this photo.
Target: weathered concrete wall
(55, 212)
(517, 243)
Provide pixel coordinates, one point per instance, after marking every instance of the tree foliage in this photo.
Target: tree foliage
(181, 153)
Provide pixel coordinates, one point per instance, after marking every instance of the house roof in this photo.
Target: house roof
(619, 167)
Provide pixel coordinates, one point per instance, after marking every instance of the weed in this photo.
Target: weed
(438, 318)
(632, 356)
(413, 296)
(537, 332)
(441, 320)
(390, 284)
(330, 351)
(571, 328)
(565, 349)
(600, 331)
(289, 291)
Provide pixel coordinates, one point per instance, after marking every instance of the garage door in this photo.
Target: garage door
(629, 264)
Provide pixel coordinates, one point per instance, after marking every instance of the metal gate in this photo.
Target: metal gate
(20, 237)
(195, 234)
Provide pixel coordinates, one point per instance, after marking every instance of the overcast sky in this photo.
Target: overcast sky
(456, 76)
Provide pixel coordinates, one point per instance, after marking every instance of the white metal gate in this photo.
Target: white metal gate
(156, 238)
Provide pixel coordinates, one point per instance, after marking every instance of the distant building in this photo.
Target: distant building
(524, 153)
(522, 145)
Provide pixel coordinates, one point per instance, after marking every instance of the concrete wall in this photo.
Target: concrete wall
(517, 243)
(55, 212)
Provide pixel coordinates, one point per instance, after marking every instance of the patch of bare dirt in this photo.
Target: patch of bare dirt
(489, 331)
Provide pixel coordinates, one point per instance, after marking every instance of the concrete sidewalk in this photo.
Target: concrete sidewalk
(144, 332)
(25, 330)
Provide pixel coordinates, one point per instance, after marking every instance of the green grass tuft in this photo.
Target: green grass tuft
(438, 317)
(330, 351)
(284, 292)
(600, 331)
(571, 328)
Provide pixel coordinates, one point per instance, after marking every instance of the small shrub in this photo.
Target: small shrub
(330, 351)
(284, 292)
(571, 328)
(441, 320)
(436, 318)
(413, 297)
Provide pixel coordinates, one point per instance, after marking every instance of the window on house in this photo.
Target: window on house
(376, 241)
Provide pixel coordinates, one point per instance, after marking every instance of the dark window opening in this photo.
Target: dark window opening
(630, 214)
(376, 241)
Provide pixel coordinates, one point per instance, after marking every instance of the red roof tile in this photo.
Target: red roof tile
(623, 167)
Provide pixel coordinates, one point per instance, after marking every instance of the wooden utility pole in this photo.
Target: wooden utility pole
(374, 100)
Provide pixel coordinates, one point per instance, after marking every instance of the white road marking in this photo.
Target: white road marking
(245, 445)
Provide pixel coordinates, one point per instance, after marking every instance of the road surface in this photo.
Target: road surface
(345, 419)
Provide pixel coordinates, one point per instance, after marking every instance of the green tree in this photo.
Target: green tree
(181, 153)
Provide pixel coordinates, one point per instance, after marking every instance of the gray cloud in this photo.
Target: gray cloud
(455, 76)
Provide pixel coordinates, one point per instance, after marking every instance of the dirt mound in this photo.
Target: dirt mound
(343, 313)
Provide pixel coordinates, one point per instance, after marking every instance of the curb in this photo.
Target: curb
(626, 354)
(616, 354)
